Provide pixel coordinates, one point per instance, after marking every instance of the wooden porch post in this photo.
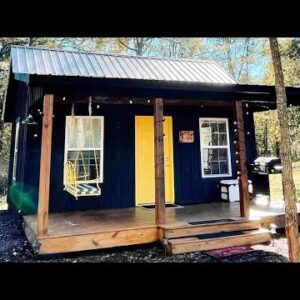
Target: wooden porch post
(45, 165)
(160, 216)
(242, 161)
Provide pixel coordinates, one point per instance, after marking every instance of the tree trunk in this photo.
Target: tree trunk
(1, 122)
(139, 44)
(1, 135)
(266, 139)
(289, 190)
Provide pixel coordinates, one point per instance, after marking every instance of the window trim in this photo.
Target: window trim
(75, 149)
(229, 174)
(16, 151)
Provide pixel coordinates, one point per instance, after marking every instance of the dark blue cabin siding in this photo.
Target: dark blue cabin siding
(118, 188)
(18, 113)
(250, 137)
(190, 187)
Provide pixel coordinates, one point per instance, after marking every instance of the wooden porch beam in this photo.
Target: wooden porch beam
(144, 101)
(160, 214)
(242, 161)
(45, 166)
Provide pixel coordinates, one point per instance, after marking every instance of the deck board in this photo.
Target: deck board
(82, 230)
(78, 222)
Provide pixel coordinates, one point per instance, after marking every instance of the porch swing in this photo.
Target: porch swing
(78, 181)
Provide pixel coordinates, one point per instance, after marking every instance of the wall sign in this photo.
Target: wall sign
(186, 136)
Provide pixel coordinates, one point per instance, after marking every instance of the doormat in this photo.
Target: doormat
(220, 234)
(211, 221)
(153, 206)
(224, 252)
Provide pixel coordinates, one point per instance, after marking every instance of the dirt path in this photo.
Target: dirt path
(15, 248)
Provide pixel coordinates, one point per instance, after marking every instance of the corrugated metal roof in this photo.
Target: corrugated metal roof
(56, 62)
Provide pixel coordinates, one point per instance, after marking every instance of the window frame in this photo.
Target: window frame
(101, 163)
(202, 146)
(16, 151)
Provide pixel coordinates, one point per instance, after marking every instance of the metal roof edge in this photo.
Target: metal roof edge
(119, 55)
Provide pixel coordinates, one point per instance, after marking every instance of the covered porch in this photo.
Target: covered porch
(107, 228)
(96, 229)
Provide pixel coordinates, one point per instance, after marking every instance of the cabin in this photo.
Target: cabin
(113, 150)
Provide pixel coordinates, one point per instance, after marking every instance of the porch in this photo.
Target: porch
(97, 229)
(173, 227)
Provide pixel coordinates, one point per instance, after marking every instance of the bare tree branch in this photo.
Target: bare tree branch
(126, 45)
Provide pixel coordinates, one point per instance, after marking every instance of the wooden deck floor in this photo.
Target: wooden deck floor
(75, 231)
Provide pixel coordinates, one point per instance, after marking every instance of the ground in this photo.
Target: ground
(15, 248)
(276, 183)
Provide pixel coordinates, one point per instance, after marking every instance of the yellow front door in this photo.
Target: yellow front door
(144, 160)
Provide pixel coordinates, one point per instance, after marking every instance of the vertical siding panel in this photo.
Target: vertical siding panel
(118, 189)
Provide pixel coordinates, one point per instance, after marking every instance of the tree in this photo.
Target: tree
(237, 55)
(189, 48)
(5, 46)
(289, 190)
(138, 45)
(290, 59)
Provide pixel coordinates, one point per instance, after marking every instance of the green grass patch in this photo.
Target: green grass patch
(276, 183)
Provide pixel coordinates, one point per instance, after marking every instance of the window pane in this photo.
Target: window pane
(205, 124)
(205, 155)
(223, 154)
(223, 139)
(206, 168)
(206, 158)
(214, 154)
(214, 141)
(72, 155)
(206, 136)
(222, 127)
(214, 133)
(93, 133)
(76, 132)
(223, 167)
(214, 127)
(210, 161)
(215, 168)
(84, 133)
(86, 163)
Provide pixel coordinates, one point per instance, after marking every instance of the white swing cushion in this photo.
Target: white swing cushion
(87, 189)
(83, 189)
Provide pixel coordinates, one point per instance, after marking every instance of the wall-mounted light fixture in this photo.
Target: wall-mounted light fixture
(29, 120)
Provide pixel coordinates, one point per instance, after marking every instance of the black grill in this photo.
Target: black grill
(267, 165)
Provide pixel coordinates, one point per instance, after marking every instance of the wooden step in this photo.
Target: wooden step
(217, 241)
(186, 229)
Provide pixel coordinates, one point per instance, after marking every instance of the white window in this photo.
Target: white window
(16, 154)
(215, 147)
(84, 147)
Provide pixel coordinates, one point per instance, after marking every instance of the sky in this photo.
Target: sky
(211, 49)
